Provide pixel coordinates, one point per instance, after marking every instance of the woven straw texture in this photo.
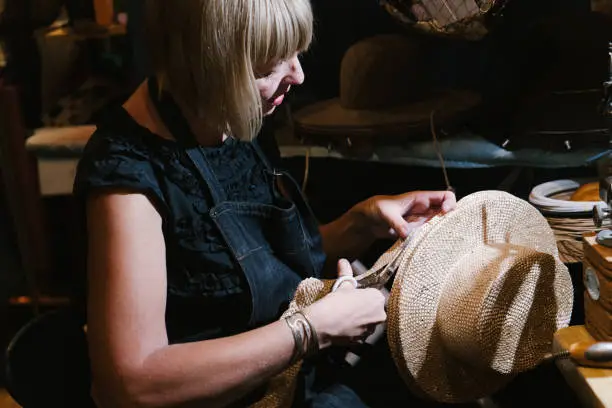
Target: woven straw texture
(477, 297)
(452, 18)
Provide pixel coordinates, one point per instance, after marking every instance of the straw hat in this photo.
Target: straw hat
(385, 92)
(477, 297)
(478, 294)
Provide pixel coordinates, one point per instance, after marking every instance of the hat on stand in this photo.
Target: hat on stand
(386, 97)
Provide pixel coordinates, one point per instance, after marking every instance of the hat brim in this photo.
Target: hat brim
(329, 118)
(426, 366)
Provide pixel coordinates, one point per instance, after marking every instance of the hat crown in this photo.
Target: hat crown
(380, 72)
(495, 309)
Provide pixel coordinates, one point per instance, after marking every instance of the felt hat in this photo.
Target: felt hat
(386, 94)
(478, 295)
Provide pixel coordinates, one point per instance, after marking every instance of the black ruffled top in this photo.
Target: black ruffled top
(203, 280)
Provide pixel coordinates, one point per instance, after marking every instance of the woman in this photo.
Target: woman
(195, 243)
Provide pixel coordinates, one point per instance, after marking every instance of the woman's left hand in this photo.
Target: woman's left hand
(396, 216)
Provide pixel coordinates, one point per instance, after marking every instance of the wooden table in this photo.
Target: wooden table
(593, 386)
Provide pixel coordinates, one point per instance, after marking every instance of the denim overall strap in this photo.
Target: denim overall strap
(262, 156)
(176, 123)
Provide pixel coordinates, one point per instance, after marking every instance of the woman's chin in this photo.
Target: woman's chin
(268, 110)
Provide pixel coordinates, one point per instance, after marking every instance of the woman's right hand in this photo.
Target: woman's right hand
(347, 315)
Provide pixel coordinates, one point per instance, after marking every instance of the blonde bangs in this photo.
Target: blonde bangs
(207, 51)
(280, 28)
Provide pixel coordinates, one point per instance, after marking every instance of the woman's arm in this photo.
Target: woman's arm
(388, 217)
(132, 363)
(346, 237)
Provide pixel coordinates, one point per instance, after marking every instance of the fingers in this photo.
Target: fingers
(348, 314)
(344, 268)
(377, 299)
(450, 202)
(345, 276)
(397, 223)
(401, 226)
(444, 200)
(361, 334)
(368, 331)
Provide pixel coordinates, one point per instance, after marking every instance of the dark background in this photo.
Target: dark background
(503, 67)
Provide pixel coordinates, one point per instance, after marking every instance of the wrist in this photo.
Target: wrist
(305, 336)
(348, 236)
(358, 219)
(323, 338)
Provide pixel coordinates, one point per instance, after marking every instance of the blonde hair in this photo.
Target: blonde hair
(205, 53)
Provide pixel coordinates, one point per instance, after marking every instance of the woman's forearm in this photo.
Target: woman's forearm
(132, 363)
(346, 237)
(208, 373)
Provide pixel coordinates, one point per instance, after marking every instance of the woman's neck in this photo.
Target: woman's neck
(143, 111)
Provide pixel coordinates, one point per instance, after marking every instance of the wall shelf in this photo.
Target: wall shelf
(86, 32)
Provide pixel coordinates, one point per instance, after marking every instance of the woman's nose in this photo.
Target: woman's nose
(296, 74)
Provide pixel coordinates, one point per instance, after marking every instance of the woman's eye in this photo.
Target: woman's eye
(259, 75)
(269, 69)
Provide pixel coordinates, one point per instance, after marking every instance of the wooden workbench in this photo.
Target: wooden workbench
(593, 386)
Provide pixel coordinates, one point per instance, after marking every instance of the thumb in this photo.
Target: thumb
(344, 268)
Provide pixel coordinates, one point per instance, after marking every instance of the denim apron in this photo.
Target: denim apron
(276, 247)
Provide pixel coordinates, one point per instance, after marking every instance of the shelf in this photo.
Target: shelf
(44, 301)
(87, 32)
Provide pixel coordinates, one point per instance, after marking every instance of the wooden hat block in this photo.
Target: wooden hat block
(597, 278)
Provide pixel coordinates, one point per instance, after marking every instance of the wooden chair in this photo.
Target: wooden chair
(22, 191)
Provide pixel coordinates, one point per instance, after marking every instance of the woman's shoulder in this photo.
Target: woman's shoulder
(117, 134)
(119, 154)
